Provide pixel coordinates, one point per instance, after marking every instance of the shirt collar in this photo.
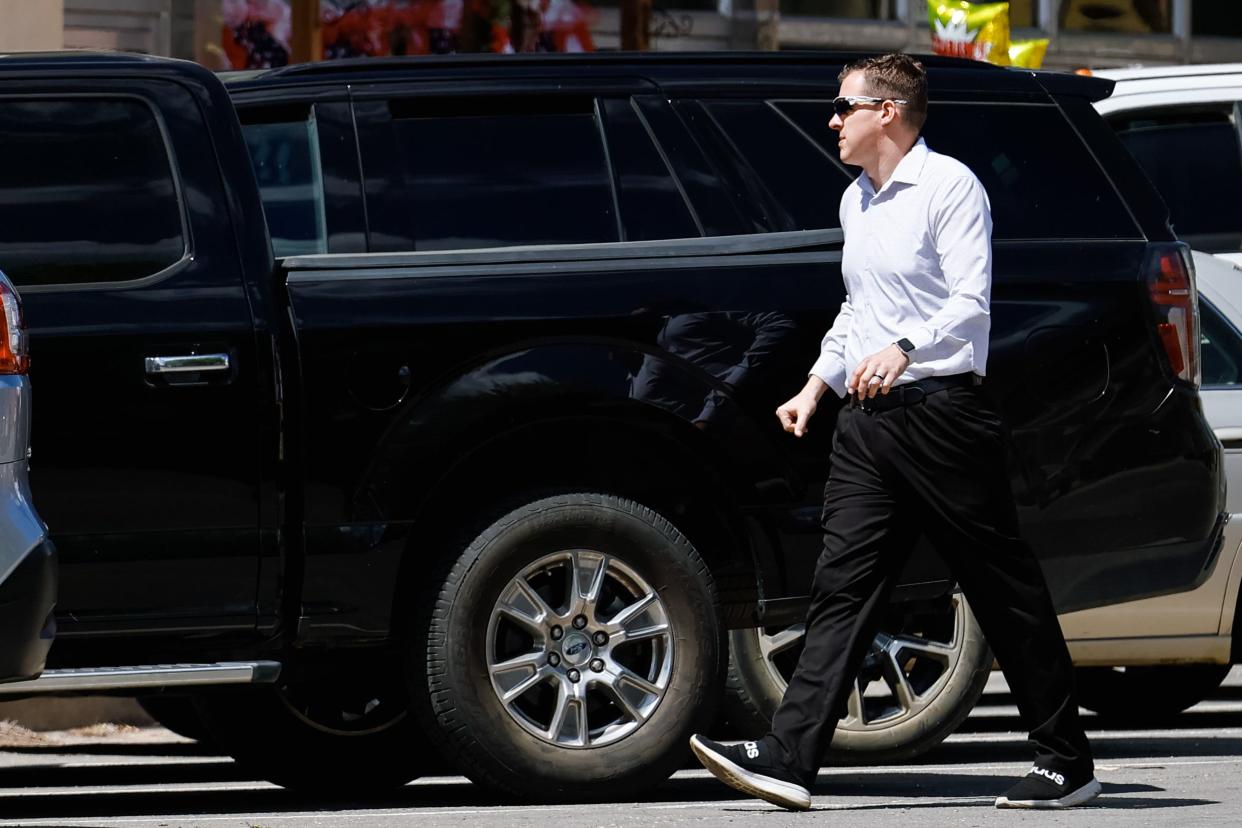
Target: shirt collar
(907, 171)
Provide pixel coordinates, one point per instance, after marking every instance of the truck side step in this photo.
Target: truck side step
(153, 675)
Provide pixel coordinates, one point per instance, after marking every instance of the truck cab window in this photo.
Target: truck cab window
(86, 192)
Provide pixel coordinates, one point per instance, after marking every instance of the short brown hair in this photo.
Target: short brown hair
(895, 76)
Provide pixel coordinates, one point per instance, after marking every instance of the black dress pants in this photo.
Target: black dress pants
(937, 466)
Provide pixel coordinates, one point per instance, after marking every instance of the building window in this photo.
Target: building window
(1117, 16)
(1023, 14)
(850, 9)
(1215, 19)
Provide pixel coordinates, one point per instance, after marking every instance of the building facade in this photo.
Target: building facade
(1100, 33)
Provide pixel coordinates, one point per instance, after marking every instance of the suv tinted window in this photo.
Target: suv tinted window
(651, 202)
(787, 180)
(1194, 158)
(494, 172)
(1041, 180)
(285, 156)
(86, 192)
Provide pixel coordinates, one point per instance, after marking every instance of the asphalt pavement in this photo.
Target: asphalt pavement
(1183, 774)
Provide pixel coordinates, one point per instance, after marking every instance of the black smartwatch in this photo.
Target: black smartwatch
(906, 346)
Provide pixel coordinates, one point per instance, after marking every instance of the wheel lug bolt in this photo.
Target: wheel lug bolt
(597, 665)
(580, 622)
(557, 632)
(554, 659)
(574, 675)
(600, 638)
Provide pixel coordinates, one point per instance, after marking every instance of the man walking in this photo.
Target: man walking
(918, 447)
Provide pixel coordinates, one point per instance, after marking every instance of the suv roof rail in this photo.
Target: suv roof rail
(382, 64)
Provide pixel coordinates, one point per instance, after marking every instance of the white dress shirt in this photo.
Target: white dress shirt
(917, 265)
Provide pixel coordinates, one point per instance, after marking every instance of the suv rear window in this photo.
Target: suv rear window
(1041, 180)
(1193, 156)
(86, 192)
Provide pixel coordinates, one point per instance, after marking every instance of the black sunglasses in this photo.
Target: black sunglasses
(844, 103)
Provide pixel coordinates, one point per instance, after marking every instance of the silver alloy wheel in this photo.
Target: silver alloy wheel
(900, 677)
(579, 649)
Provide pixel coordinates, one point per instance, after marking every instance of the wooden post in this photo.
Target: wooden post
(306, 36)
(636, 25)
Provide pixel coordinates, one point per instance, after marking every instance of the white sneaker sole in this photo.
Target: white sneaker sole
(785, 794)
(1086, 793)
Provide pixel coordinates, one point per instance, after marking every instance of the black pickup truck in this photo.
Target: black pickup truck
(395, 412)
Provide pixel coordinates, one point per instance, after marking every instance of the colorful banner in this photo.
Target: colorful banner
(257, 32)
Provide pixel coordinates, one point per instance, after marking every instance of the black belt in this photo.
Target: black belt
(911, 393)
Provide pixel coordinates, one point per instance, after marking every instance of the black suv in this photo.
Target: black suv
(447, 427)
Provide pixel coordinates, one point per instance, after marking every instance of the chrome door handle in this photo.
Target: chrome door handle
(190, 363)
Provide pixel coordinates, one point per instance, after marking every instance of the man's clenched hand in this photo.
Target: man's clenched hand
(795, 413)
(877, 373)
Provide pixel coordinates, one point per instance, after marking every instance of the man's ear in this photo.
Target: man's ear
(888, 113)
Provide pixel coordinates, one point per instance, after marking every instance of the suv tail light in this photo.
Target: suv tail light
(14, 358)
(1171, 286)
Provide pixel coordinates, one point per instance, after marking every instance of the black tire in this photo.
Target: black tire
(338, 734)
(495, 743)
(178, 714)
(887, 732)
(1146, 694)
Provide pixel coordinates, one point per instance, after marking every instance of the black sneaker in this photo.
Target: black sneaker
(751, 768)
(1046, 788)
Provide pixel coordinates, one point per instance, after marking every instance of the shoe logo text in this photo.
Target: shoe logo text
(1051, 775)
(752, 750)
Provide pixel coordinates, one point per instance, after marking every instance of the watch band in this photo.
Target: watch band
(905, 345)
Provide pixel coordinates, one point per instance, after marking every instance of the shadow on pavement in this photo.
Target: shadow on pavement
(1142, 804)
(1105, 747)
(1122, 804)
(1095, 724)
(911, 786)
(945, 790)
